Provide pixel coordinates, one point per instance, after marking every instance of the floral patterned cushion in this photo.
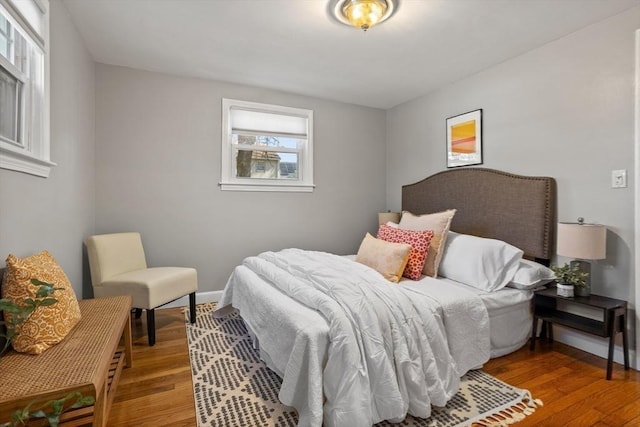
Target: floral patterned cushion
(48, 325)
(419, 241)
(388, 259)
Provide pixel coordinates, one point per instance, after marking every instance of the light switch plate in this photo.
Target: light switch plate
(619, 178)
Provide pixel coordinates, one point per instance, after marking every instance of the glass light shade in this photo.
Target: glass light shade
(364, 13)
(582, 241)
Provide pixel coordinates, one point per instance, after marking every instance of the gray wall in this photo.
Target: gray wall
(563, 110)
(158, 150)
(58, 212)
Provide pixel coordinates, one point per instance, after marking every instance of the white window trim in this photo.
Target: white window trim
(34, 157)
(229, 182)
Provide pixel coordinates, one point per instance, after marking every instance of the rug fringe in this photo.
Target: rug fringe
(511, 415)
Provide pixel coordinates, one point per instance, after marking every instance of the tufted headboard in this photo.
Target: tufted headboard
(520, 210)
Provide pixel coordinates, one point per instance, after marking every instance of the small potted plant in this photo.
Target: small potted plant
(569, 277)
(20, 313)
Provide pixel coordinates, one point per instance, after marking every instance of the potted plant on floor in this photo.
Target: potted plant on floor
(569, 277)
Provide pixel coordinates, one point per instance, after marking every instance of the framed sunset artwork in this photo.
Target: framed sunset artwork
(464, 139)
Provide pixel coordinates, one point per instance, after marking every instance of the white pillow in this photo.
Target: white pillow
(531, 275)
(486, 264)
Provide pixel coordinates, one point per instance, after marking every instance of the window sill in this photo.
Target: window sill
(24, 162)
(298, 188)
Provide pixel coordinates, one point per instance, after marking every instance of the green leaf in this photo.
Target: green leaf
(9, 307)
(54, 420)
(47, 302)
(21, 415)
(43, 292)
(26, 312)
(83, 401)
(28, 303)
(58, 405)
(44, 287)
(38, 414)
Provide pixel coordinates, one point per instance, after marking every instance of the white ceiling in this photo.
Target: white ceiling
(295, 46)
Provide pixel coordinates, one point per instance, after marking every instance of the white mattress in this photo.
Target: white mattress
(510, 318)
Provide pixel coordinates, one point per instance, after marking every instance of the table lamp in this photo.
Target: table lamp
(583, 242)
(384, 217)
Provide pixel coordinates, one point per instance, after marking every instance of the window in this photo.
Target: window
(10, 96)
(24, 94)
(266, 147)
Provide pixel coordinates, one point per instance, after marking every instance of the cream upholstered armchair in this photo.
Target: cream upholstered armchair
(119, 267)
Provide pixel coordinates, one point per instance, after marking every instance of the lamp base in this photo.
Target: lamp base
(584, 267)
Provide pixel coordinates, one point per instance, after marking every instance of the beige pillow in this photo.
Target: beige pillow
(388, 259)
(48, 325)
(439, 223)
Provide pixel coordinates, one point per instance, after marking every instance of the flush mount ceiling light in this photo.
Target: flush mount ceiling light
(363, 14)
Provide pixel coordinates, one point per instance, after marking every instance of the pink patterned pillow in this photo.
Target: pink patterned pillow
(419, 241)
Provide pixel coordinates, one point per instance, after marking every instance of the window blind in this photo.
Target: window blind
(258, 122)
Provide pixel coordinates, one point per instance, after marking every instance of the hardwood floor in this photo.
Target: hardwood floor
(157, 390)
(572, 385)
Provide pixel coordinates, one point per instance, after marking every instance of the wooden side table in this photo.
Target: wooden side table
(614, 315)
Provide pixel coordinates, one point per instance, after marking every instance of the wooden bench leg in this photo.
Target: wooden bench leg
(100, 406)
(128, 343)
(151, 326)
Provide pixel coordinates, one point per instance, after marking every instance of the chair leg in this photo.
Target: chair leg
(138, 313)
(151, 326)
(192, 307)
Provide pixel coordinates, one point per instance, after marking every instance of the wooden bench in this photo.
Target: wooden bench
(88, 360)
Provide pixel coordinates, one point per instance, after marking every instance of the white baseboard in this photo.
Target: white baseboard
(210, 296)
(594, 345)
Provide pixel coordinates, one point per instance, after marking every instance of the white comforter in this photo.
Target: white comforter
(389, 352)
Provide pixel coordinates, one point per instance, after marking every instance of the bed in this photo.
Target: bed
(464, 326)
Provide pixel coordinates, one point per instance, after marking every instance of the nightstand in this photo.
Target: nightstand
(614, 315)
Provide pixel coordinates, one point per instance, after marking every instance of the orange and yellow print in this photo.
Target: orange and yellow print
(463, 137)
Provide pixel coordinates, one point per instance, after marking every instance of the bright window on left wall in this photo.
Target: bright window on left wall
(24, 91)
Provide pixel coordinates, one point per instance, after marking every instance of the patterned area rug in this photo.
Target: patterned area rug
(233, 387)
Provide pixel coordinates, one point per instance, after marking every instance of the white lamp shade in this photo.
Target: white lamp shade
(582, 241)
(385, 217)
